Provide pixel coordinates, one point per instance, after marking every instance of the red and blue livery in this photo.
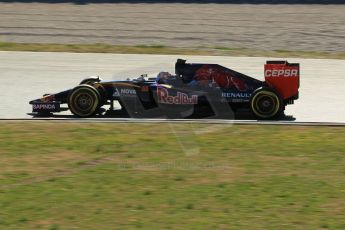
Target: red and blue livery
(195, 90)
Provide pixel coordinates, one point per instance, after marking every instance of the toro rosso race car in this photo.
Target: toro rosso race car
(194, 90)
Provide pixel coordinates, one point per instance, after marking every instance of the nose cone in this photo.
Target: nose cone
(34, 101)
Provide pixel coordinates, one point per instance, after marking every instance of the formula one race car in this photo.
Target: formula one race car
(193, 89)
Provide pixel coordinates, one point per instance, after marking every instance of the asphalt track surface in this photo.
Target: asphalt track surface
(28, 75)
(257, 27)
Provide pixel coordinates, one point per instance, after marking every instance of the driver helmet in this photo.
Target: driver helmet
(162, 77)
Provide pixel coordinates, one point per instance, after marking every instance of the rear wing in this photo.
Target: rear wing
(283, 77)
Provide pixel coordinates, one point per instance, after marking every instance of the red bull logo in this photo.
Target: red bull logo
(180, 98)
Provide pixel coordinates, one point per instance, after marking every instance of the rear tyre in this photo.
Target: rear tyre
(266, 104)
(84, 101)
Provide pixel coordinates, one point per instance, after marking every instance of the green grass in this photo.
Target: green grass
(161, 49)
(128, 176)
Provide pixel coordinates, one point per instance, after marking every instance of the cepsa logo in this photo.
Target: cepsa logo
(281, 72)
(179, 99)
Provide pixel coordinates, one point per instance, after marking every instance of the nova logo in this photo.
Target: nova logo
(128, 91)
(116, 93)
(124, 92)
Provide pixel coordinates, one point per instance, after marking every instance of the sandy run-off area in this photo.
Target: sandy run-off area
(259, 27)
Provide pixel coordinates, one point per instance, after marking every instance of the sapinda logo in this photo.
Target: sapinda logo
(281, 72)
(43, 106)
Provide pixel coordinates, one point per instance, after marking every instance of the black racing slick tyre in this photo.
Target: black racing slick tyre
(84, 101)
(265, 103)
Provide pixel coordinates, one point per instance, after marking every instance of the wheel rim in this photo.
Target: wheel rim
(265, 104)
(84, 101)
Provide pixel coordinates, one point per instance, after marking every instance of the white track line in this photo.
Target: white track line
(182, 121)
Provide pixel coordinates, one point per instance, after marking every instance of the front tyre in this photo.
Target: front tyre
(84, 101)
(266, 104)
